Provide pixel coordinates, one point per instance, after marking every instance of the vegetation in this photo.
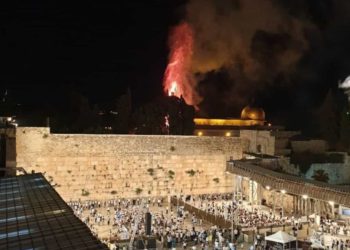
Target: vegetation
(191, 172)
(138, 191)
(171, 174)
(85, 192)
(320, 175)
(216, 180)
(305, 159)
(150, 171)
(332, 121)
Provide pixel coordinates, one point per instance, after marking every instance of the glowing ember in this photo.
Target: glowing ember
(178, 79)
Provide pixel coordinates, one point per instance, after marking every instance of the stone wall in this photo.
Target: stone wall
(252, 139)
(338, 173)
(106, 166)
(313, 146)
(9, 134)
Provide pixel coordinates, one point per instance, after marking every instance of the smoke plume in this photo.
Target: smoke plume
(254, 42)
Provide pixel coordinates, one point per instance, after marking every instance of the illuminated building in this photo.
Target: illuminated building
(251, 117)
(258, 136)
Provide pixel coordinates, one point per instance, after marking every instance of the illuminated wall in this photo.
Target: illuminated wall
(108, 166)
(227, 122)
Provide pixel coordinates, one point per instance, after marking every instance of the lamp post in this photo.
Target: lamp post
(233, 201)
(305, 198)
(274, 202)
(268, 188)
(282, 198)
(332, 207)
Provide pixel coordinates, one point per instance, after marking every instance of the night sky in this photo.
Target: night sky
(101, 49)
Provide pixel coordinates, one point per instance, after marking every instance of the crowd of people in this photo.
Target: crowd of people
(332, 227)
(171, 226)
(245, 216)
(334, 235)
(174, 227)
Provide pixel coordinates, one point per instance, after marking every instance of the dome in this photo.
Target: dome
(253, 113)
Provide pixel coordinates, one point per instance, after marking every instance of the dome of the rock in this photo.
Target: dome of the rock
(253, 113)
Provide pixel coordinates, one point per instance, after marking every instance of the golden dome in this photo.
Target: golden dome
(253, 113)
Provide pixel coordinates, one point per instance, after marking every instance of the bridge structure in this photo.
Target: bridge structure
(306, 196)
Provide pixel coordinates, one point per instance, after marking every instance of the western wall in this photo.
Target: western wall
(82, 166)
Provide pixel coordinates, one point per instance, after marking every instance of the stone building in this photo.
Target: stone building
(258, 136)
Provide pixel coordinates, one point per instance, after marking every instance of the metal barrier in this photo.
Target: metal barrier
(220, 220)
(216, 220)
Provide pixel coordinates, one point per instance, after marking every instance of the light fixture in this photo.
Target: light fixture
(228, 134)
(200, 133)
(331, 203)
(283, 191)
(305, 196)
(268, 187)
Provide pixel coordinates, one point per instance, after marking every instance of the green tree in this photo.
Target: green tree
(320, 175)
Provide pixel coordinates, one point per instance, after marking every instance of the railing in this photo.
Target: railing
(216, 220)
(293, 184)
(221, 222)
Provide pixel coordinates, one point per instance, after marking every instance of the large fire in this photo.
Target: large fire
(177, 78)
(173, 90)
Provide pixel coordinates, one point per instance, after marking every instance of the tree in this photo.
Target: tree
(328, 118)
(151, 118)
(121, 114)
(320, 175)
(344, 133)
(148, 119)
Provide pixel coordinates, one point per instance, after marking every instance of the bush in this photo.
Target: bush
(85, 192)
(191, 172)
(216, 180)
(171, 174)
(138, 191)
(150, 171)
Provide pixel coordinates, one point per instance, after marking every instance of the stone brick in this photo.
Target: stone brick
(102, 163)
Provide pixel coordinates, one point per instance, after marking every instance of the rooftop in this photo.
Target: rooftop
(34, 216)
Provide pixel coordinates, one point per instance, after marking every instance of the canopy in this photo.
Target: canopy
(280, 237)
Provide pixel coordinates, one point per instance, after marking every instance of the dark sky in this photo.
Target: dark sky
(100, 49)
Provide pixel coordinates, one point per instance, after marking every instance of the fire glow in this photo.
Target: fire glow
(177, 77)
(173, 89)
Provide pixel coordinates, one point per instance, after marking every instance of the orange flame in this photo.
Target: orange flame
(177, 77)
(173, 89)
